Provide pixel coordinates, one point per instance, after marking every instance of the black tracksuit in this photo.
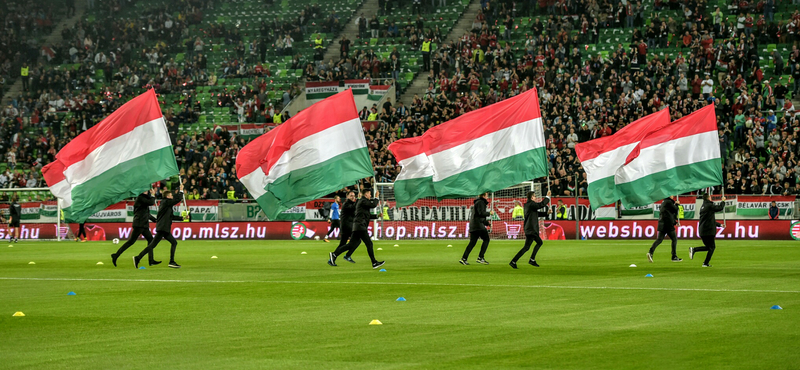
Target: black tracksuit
(346, 217)
(360, 225)
(532, 228)
(15, 212)
(141, 223)
(477, 228)
(666, 226)
(708, 227)
(164, 227)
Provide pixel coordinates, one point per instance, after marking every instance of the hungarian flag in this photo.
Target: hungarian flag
(677, 159)
(118, 158)
(318, 151)
(602, 157)
(484, 150)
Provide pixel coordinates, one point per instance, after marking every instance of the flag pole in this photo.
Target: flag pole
(724, 204)
(186, 206)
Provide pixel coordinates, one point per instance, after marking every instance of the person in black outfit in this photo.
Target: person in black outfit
(81, 231)
(346, 218)
(15, 213)
(164, 229)
(140, 226)
(708, 228)
(666, 227)
(477, 229)
(360, 233)
(531, 229)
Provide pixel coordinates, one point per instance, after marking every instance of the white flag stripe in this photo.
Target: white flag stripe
(606, 164)
(484, 150)
(415, 167)
(143, 139)
(63, 192)
(318, 148)
(255, 182)
(674, 153)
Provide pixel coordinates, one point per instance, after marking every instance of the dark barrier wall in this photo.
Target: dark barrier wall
(554, 230)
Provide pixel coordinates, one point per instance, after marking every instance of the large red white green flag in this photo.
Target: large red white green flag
(118, 158)
(318, 151)
(602, 157)
(677, 159)
(484, 150)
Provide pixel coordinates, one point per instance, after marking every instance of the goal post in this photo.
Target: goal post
(429, 218)
(40, 218)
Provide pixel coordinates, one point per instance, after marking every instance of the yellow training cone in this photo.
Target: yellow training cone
(373, 322)
(100, 263)
(31, 263)
(213, 257)
(10, 246)
(19, 313)
(303, 253)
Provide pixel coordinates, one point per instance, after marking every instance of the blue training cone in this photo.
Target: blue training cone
(775, 307)
(382, 270)
(141, 268)
(649, 275)
(71, 293)
(401, 299)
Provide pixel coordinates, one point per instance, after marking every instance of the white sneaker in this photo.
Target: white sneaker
(691, 253)
(649, 257)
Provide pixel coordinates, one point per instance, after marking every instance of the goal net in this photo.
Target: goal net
(429, 218)
(39, 219)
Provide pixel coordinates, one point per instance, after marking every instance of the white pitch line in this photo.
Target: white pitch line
(401, 283)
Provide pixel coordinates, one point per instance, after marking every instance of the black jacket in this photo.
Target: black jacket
(362, 217)
(347, 214)
(141, 210)
(708, 222)
(669, 214)
(165, 216)
(532, 215)
(15, 211)
(479, 214)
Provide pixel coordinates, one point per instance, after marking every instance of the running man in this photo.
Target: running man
(666, 227)
(708, 228)
(477, 229)
(360, 228)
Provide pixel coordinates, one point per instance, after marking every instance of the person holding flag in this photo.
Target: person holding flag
(163, 229)
(477, 229)
(140, 226)
(361, 228)
(532, 207)
(707, 228)
(347, 216)
(666, 227)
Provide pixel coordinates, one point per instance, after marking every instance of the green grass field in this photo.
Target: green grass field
(262, 304)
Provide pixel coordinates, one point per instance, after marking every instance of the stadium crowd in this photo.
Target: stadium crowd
(583, 95)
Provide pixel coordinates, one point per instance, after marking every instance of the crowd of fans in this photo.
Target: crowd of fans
(583, 95)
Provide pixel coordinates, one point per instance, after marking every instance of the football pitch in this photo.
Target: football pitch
(263, 304)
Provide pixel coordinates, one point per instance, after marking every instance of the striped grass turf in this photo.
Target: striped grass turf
(261, 304)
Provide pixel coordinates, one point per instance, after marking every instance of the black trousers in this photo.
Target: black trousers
(161, 235)
(473, 239)
(335, 224)
(710, 246)
(358, 237)
(81, 231)
(136, 232)
(344, 234)
(529, 239)
(660, 239)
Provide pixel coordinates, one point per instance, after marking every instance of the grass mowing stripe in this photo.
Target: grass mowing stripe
(408, 283)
